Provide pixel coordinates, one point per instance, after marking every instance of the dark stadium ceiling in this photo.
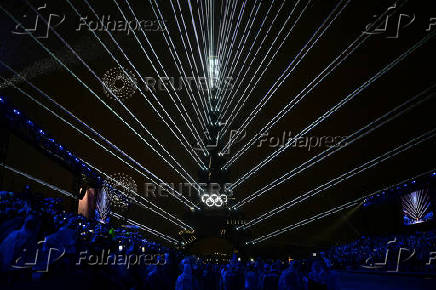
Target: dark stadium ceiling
(410, 76)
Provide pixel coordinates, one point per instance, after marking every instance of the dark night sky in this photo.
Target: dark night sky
(409, 78)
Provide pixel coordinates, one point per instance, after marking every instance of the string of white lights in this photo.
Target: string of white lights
(335, 13)
(190, 124)
(223, 25)
(197, 38)
(227, 29)
(187, 38)
(203, 98)
(300, 56)
(178, 104)
(244, 33)
(229, 52)
(179, 66)
(291, 14)
(131, 114)
(227, 35)
(208, 108)
(239, 106)
(185, 144)
(66, 193)
(207, 27)
(242, 43)
(332, 211)
(203, 58)
(194, 28)
(173, 219)
(232, 36)
(343, 177)
(145, 228)
(352, 138)
(230, 99)
(237, 80)
(304, 222)
(145, 172)
(226, 67)
(219, 52)
(309, 88)
(37, 180)
(201, 25)
(156, 209)
(334, 109)
(249, 52)
(201, 16)
(88, 88)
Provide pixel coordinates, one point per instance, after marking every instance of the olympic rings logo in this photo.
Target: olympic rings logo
(214, 200)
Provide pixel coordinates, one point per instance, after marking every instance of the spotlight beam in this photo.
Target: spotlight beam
(336, 12)
(183, 114)
(145, 172)
(334, 109)
(69, 194)
(328, 213)
(343, 177)
(192, 153)
(241, 46)
(229, 52)
(222, 97)
(290, 30)
(357, 135)
(310, 87)
(156, 209)
(172, 48)
(93, 93)
(202, 97)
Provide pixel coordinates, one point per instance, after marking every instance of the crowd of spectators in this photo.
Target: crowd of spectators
(42, 247)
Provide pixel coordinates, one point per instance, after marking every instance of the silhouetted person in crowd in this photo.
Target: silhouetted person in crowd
(291, 278)
(186, 281)
(317, 276)
(233, 278)
(18, 248)
(271, 279)
(251, 279)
